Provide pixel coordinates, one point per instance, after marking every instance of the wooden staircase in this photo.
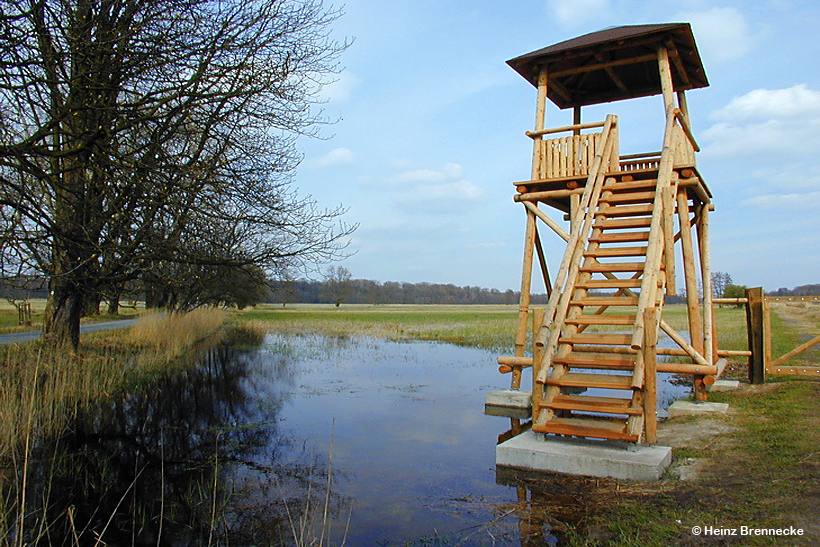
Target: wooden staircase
(589, 341)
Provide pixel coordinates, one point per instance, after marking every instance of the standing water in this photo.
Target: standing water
(306, 439)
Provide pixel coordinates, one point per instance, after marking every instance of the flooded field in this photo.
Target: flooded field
(306, 438)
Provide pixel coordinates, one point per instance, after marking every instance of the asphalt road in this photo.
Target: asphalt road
(22, 337)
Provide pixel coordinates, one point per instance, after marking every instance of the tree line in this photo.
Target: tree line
(148, 146)
(364, 291)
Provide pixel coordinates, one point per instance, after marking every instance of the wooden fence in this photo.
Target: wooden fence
(759, 330)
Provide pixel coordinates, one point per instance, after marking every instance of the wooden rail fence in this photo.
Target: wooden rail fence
(759, 330)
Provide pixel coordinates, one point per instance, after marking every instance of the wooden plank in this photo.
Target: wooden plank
(796, 371)
(605, 301)
(621, 237)
(603, 381)
(595, 338)
(561, 428)
(616, 252)
(625, 210)
(603, 320)
(632, 197)
(622, 223)
(606, 405)
(611, 284)
(596, 361)
(614, 267)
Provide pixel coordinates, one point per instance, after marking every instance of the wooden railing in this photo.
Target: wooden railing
(571, 156)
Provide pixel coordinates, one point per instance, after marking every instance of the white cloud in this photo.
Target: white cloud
(433, 190)
(722, 34)
(766, 122)
(335, 158)
(341, 89)
(574, 13)
(796, 101)
(784, 202)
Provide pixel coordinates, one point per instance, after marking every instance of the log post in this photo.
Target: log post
(756, 332)
(650, 399)
(529, 238)
(537, 357)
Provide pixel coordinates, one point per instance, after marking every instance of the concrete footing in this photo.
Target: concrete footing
(533, 451)
(510, 403)
(724, 385)
(689, 408)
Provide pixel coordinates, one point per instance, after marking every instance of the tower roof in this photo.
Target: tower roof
(614, 64)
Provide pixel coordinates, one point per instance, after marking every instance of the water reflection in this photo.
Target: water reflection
(239, 448)
(184, 458)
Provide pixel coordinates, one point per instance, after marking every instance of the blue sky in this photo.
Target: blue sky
(431, 127)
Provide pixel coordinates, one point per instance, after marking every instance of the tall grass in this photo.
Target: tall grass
(167, 335)
(41, 388)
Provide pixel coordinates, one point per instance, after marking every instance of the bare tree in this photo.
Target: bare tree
(125, 125)
(720, 281)
(337, 283)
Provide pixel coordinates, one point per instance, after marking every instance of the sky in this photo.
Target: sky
(429, 136)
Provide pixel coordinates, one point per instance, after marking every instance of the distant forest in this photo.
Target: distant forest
(802, 290)
(363, 291)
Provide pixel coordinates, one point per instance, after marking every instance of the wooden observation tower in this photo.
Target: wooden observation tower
(628, 214)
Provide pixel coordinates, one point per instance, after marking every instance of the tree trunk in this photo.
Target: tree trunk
(114, 305)
(63, 311)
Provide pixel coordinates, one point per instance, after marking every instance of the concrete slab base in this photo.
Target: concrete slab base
(724, 385)
(510, 403)
(533, 451)
(690, 408)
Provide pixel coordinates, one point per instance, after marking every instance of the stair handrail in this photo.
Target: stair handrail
(655, 244)
(579, 235)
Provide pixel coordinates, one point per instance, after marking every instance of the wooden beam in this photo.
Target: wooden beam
(796, 351)
(602, 65)
(754, 329)
(542, 263)
(678, 62)
(689, 273)
(650, 401)
(531, 207)
(666, 79)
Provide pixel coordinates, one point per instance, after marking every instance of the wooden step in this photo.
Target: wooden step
(584, 403)
(630, 186)
(600, 428)
(597, 338)
(629, 197)
(597, 361)
(610, 284)
(620, 237)
(612, 267)
(582, 379)
(622, 223)
(605, 301)
(601, 319)
(625, 210)
(616, 251)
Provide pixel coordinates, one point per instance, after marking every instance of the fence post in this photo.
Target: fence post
(755, 328)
